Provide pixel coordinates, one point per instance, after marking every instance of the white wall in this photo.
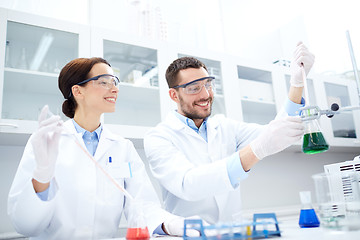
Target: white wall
(277, 180)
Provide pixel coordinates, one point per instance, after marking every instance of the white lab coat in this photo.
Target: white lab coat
(84, 204)
(192, 172)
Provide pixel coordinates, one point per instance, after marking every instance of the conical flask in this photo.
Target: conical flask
(314, 141)
(137, 228)
(308, 216)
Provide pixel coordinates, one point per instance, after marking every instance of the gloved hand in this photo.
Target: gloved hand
(302, 56)
(175, 227)
(277, 135)
(45, 143)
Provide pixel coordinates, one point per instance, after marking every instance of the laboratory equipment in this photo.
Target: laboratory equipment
(235, 230)
(314, 112)
(353, 61)
(137, 228)
(338, 195)
(308, 216)
(314, 140)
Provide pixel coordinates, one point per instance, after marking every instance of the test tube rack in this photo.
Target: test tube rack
(235, 231)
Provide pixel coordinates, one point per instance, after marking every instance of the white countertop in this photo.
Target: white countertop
(290, 230)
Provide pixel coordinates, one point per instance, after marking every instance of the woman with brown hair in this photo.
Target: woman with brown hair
(58, 192)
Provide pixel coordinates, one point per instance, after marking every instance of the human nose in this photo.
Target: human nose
(114, 88)
(204, 92)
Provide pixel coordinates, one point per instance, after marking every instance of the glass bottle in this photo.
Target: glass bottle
(23, 64)
(308, 216)
(7, 55)
(314, 140)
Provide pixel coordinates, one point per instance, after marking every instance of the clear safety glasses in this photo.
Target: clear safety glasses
(196, 86)
(106, 81)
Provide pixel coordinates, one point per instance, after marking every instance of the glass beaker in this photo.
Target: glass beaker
(338, 198)
(314, 140)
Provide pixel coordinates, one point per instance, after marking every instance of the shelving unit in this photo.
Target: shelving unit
(257, 96)
(249, 92)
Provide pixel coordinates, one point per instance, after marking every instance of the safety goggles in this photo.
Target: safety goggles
(106, 81)
(196, 86)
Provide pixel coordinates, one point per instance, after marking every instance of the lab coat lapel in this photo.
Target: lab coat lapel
(213, 146)
(177, 125)
(69, 125)
(211, 131)
(107, 139)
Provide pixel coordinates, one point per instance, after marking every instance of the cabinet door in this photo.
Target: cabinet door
(136, 64)
(343, 124)
(257, 95)
(36, 48)
(342, 129)
(34, 57)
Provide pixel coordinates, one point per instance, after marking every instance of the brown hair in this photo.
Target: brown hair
(74, 72)
(180, 64)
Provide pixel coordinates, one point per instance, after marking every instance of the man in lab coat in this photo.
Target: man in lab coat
(199, 161)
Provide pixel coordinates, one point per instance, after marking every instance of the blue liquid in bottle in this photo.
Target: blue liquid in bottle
(308, 218)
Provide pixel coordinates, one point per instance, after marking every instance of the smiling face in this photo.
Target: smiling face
(194, 106)
(94, 98)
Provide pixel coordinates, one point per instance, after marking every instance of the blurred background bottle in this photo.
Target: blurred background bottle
(23, 63)
(8, 62)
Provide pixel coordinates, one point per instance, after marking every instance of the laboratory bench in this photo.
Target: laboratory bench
(290, 230)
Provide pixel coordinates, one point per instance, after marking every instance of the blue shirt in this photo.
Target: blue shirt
(235, 170)
(91, 139)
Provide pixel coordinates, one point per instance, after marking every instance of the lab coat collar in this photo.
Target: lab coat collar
(107, 138)
(107, 133)
(212, 124)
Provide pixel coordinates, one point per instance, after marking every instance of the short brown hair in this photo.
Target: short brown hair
(180, 64)
(74, 72)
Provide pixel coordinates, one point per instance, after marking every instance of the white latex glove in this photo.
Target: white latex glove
(301, 56)
(277, 135)
(45, 143)
(175, 227)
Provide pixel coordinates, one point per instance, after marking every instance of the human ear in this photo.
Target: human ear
(173, 95)
(76, 91)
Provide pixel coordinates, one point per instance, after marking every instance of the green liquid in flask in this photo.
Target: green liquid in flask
(314, 143)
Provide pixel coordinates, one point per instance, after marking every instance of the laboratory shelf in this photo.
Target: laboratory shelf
(30, 81)
(138, 106)
(255, 101)
(31, 72)
(132, 86)
(257, 111)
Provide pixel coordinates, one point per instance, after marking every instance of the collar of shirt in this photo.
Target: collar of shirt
(190, 123)
(91, 139)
